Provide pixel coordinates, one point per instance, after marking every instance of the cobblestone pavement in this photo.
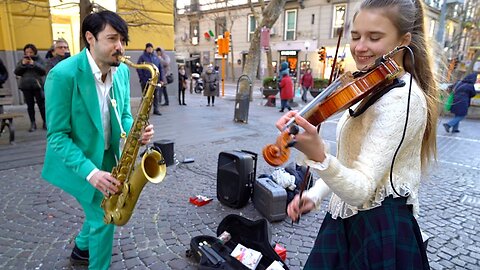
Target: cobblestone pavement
(38, 222)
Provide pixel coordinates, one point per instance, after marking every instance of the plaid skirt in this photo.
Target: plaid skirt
(385, 237)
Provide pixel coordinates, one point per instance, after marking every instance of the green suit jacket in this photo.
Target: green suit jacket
(75, 142)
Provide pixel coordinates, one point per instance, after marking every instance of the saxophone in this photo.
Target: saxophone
(119, 207)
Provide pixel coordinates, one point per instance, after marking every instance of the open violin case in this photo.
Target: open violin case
(251, 234)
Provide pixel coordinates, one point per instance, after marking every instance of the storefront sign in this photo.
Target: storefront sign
(288, 53)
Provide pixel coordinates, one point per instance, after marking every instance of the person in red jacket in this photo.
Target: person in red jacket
(286, 91)
(307, 83)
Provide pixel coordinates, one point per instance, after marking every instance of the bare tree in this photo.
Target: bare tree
(469, 31)
(232, 17)
(270, 15)
(268, 50)
(473, 28)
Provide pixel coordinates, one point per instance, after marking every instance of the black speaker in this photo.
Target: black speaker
(166, 146)
(235, 175)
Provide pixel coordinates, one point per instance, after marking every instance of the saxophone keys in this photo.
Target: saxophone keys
(126, 188)
(121, 200)
(116, 216)
(107, 218)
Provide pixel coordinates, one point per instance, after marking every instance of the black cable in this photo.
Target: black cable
(406, 122)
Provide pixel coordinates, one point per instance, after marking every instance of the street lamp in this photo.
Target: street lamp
(307, 44)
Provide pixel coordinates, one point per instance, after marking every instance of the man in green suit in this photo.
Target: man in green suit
(87, 109)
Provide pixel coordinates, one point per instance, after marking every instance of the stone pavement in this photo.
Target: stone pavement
(38, 222)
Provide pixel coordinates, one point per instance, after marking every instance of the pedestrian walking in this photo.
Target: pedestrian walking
(31, 70)
(182, 85)
(284, 69)
(166, 77)
(463, 91)
(371, 218)
(306, 82)
(144, 75)
(286, 91)
(83, 139)
(210, 80)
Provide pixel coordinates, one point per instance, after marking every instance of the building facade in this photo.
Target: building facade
(303, 28)
(42, 22)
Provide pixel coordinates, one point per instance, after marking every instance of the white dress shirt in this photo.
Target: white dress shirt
(103, 89)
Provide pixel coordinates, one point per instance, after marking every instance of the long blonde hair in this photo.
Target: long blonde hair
(400, 13)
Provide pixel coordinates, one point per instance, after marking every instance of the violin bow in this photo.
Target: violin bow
(303, 185)
(334, 65)
(307, 172)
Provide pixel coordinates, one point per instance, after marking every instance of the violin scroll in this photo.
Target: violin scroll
(278, 153)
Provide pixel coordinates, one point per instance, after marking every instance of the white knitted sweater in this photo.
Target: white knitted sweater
(359, 175)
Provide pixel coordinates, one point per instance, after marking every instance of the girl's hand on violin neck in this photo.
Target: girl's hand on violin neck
(297, 207)
(309, 141)
(284, 120)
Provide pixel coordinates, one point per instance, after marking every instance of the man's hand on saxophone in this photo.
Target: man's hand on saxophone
(105, 182)
(147, 134)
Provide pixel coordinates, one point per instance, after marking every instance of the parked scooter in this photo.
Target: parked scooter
(198, 86)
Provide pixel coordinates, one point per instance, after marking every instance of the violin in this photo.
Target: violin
(338, 96)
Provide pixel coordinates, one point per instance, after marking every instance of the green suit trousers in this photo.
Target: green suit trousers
(96, 236)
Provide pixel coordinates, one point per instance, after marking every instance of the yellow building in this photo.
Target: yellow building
(42, 21)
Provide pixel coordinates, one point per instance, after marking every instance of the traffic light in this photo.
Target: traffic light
(226, 42)
(322, 54)
(220, 45)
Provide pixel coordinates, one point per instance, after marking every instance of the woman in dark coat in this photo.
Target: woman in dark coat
(463, 92)
(210, 80)
(182, 85)
(31, 70)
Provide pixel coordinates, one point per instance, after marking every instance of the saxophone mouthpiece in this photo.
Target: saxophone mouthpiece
(117, 53)
(120, 56)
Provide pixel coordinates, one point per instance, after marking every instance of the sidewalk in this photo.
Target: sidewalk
(46, 220)
(39, 222)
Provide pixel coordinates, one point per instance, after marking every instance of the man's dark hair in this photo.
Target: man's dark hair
(31, 46)
(96, 22)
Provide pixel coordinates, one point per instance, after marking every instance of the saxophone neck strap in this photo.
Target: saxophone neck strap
(113, 102)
